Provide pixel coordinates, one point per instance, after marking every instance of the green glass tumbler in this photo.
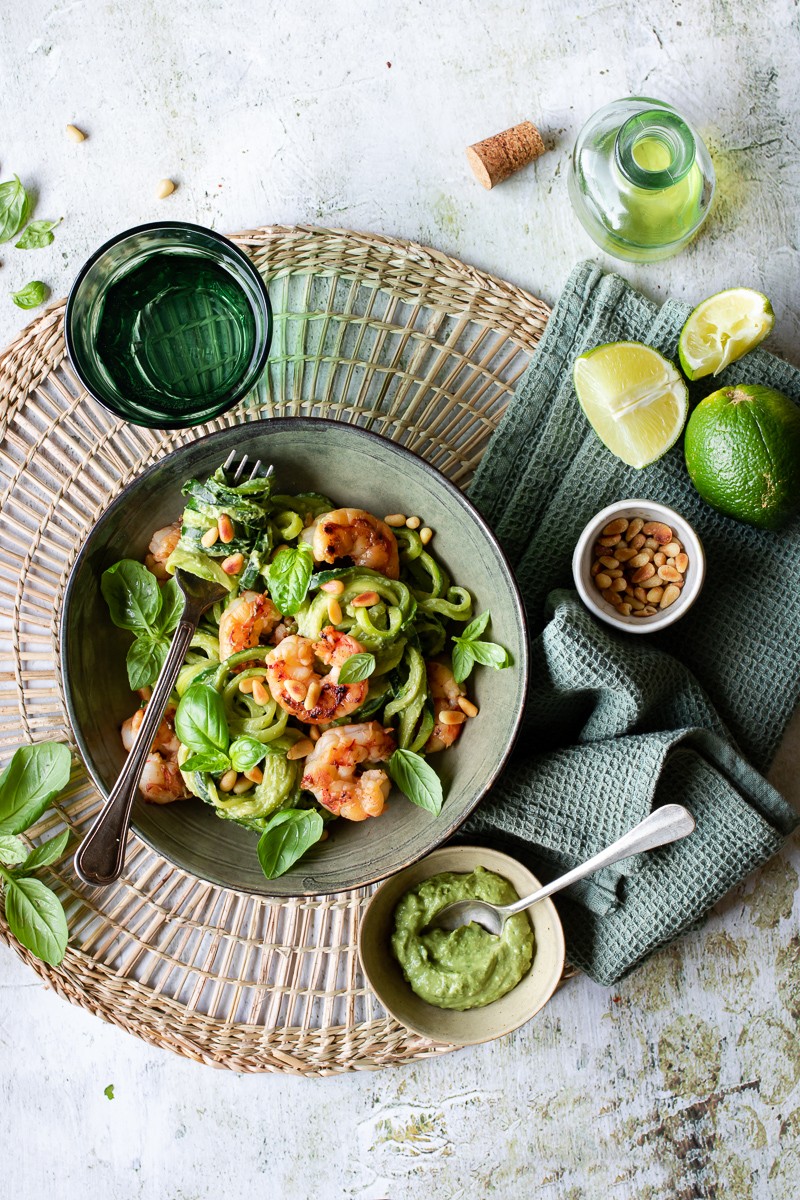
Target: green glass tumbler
(168, 325)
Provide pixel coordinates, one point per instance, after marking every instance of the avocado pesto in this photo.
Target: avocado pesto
(469, 967)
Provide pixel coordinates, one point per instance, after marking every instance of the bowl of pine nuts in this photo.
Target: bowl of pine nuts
(638, 565)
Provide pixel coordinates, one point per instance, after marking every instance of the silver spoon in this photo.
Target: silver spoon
(667, 824)
(101, 855)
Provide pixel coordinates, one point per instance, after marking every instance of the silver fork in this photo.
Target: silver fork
(101, 855)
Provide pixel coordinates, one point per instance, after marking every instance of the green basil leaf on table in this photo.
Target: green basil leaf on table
(247, 752)
(213, 761)
(13, 850)
(356, 668)
(476, 627)
(490, 654)
(289, 575)
(200, 721)
(31, 295)
(36, 918)
(463, 661)
(47, 853)
(286, 838)
(144, 660)
(132, 595)
(172, 602)
(417, 780)
(14, 208)
(38, 235)
(33, 778)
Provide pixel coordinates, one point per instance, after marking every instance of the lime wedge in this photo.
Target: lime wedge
(722, 329)
(634, 398)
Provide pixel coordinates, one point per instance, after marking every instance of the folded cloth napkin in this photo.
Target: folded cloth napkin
(615, 724)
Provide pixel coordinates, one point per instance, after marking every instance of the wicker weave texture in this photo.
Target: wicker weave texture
(390, 335)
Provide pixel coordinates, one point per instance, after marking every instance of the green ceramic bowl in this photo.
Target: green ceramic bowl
(356, 468)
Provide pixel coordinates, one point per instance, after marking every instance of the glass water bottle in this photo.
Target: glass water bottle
(641, 180)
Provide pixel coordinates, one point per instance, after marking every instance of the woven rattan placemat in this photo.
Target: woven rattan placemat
(386, 334)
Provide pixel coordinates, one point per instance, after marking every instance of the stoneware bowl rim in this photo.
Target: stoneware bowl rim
(494, 1020)
(263, 427)
(582, 562)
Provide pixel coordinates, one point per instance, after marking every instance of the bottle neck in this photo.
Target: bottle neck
(654, 149)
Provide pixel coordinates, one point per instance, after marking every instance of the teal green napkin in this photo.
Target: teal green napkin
(617, 724)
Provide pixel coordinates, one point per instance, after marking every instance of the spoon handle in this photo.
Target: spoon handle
(667, 824)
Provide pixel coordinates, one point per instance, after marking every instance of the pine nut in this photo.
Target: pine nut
(295, 689)
(616, 574)
(658, 530)
(637, 542)
(636, 604)
(165, 188)
(314, 733)
(467, 706)
(233, 564)
(313, 694)
(210, 536)
(227, 781)
(634, 529)
(652, 544)
(681, 562)
(671, 594)
(225, 526)
(669, 573)
(395, 519)
(241, 787)
(334, 612)
(74, 134)
(425, 535)
(623, 553)
(609, 562)
(595, 567)
(654, 595)
(640, 594)
(644, 573)
(365, 600)
(413, 523)
(617, 585)
(334, 587)
(671, 549)
(613, 540)
(619, 525)
(246, 686)
(260, 693)
(624, 610)
(300, 749)
(255, 775)
(611, 597)
(602, 580)
(638, 560)
(449, 716)
(659, 559)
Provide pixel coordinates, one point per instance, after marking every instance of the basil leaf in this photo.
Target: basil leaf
(286, 838)
(32, 295)
(211, 760)
(288, 576)
(417, 780)
(108, 1091)
(144, 660)
(132, 595)
(14, 208)
(38, 235)
(463, 659)
(36, 919)
(172, 602)
(489, 654)
(47, 853)
(200, 720)
(476, 627)
(356, 667)
(33, 778)
(247, 752)
(12, 850)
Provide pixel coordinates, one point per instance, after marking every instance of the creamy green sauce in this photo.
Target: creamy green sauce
(468, 967)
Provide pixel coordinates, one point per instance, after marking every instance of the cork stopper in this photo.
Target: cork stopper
(497, 157)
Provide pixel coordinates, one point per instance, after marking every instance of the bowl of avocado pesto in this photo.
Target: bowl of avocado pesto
(465, 986)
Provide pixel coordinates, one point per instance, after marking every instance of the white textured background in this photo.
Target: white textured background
(683, 1083)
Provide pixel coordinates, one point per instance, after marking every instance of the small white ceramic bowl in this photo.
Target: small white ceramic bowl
(582, 563)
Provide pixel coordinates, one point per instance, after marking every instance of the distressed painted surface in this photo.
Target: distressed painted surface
(683, 1082)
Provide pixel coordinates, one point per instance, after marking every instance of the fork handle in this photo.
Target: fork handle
(101, 855)
(667, 824)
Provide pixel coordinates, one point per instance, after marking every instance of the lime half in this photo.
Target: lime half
(635, 399)
(722, 329)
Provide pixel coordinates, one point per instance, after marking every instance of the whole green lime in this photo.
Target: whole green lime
(742, 450)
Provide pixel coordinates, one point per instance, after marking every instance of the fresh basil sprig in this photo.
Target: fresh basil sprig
(32, 295)
(15, 206)
(288, 576)
(247, 752)
(468, 650)
(357, 668)
(286, 837)
(137, 603)
(38, 235)
(200, 722)
(33, 778)
(417, 780)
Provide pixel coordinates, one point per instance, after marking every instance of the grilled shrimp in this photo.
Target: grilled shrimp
(444, 693)
(355, 534)
(162, 543)
(331, 770)
(250, 617)
(161, 781)
(305, 693)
